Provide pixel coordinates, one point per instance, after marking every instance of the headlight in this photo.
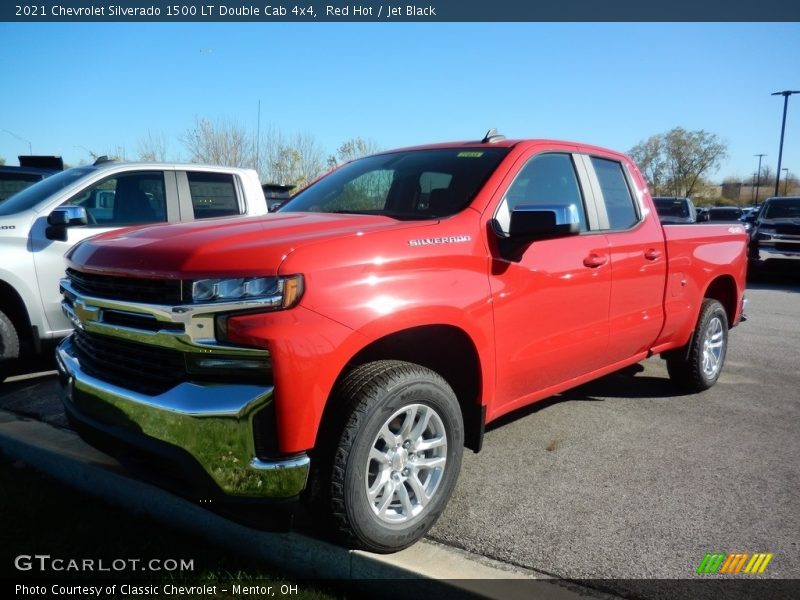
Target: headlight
(275, 292)
(764, 233)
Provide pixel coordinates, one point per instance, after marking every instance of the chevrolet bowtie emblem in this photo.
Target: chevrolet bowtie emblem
(84, 314)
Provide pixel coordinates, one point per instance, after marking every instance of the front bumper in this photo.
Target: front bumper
(203, 429)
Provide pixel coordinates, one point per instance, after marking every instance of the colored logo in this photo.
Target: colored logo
(739, 562)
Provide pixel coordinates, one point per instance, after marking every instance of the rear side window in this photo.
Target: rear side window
(616, 193)
(213, 195)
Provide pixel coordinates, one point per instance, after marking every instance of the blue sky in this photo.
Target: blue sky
(71, 87)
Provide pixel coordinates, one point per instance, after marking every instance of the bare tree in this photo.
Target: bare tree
(220, 142)
(295, 160)
(153, 147)
(352, 149)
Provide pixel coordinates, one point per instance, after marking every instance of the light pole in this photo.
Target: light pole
(758, 178)
(21, 139)
(785, 180)
(785, 94)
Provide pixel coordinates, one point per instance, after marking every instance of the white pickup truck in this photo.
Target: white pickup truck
(40, 223)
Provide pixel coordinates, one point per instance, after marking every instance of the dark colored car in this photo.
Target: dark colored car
(725, 214)
(675, 209)
(276, 195)
(775, 235)
(30, 170)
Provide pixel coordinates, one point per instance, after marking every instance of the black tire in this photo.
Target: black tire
(697, 366)
(371, 404)
(9, 347)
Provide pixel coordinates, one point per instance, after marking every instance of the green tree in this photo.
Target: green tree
(675, 162)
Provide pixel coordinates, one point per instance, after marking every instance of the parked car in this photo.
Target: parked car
(724, 214)
(346, 349)
(40, 223)
(675, 209)
(277, 195)
(30, 170)
(775, 234)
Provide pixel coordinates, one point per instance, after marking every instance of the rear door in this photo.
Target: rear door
(638, 258)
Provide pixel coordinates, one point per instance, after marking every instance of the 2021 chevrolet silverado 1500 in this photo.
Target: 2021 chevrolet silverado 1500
(345, 349)
(39, 224)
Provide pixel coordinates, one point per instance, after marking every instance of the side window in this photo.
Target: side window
(127, 199)
(545, 179)
(616, 194)
(213, 195)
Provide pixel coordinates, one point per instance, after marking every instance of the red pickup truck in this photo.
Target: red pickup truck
(344, 350)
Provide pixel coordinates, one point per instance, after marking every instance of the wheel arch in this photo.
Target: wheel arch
(12, 305)
(444, 349)
(724, 290)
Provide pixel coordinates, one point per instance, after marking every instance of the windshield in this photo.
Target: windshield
(672, 207)
(414, 184)
(34, 194)
(783, 209)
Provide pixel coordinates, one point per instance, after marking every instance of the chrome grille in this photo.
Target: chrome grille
(143, 368)
(153, 291)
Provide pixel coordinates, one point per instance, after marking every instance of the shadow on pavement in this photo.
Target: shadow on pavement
(620, 384)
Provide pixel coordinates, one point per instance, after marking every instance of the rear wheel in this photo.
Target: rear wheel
(395, 454)
(698, 365)
(9, 346)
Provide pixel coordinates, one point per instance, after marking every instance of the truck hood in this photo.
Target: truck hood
(219, 247)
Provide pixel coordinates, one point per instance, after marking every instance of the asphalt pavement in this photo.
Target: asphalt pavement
(626, 478)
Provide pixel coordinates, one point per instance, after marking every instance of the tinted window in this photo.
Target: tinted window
(668, 207)
(415, 184)
(41, 191)
(616, 194)
(213, 195)
(11, 183)
(783, 209)
(127, 199)
(546, 179)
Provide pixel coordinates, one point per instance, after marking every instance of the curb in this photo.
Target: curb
(61, 454)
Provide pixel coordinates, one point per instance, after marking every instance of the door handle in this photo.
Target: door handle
(652, 254)
(595, 260)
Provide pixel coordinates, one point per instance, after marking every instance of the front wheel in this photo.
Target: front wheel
(697, 366)
(9, 347)
(395, 454)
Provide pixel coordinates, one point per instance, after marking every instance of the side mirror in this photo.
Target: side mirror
(540, 222)
(530, 223)
(63, 217)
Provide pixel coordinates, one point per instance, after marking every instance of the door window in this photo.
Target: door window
(545, 180)
(126, 199)
(616, 194)
(213, 195)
